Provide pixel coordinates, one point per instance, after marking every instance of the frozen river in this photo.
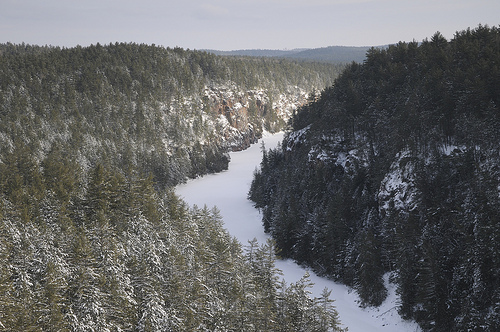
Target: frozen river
(228, 191)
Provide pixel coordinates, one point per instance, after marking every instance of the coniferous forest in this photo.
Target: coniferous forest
(172, 113)
(92, 238)
(395, 170)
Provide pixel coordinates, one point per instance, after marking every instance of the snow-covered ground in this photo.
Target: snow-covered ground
(228, 191)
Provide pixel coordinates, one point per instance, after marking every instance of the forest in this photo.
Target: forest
(395, 170)
(120, 257)
(92, 237)
(166, 112)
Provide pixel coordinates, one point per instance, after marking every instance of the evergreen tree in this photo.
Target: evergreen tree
(392, 170)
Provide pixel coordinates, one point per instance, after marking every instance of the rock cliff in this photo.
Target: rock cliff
(243, 115)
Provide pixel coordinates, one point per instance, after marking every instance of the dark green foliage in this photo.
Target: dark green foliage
(91, 236)
(116, 255)
(139, 107)
(395, 169)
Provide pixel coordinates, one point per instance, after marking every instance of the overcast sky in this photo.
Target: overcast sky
(239, 24)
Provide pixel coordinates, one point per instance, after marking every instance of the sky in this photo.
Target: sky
(239, 24)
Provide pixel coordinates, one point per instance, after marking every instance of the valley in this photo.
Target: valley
(228, 192)
(133, 185)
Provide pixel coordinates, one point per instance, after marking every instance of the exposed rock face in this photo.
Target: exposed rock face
(199, 129)
(243, 115)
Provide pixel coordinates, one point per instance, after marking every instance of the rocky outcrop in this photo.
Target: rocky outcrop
(243, 115)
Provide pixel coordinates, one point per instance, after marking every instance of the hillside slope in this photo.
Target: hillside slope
(91, 236)
(169, 112)
(395, 170)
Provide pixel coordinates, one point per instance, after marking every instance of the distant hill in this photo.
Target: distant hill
(331, 54)
(259, 52)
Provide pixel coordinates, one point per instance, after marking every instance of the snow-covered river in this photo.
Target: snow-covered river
(228, 191)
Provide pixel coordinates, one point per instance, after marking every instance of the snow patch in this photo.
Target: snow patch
(228, 191)
(295, 137)
(449, 149)
(398, 189)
